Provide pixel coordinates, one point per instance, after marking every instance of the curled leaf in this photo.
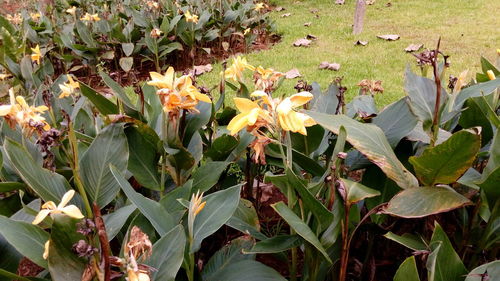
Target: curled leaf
(389, 37)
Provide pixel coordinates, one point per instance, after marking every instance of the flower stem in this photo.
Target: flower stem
(75, 166)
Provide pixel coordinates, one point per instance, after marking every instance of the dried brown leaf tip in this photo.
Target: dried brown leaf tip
(330, 66)
(302, 42)
(389, 37)
(371, 87)
(361, 43)
(413, 47)
(286, 15)
(340, 2)
(292, 73)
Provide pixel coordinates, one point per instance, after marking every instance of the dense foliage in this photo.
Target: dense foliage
(161, 181)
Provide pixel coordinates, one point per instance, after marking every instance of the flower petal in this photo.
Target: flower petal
(73, 212)
(46, 251)
(41, 216)
(237, 123)
(300, 98)
(5, 109)
(66, 198)
(245, 105)
(202, 97)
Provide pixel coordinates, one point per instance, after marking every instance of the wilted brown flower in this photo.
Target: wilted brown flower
(371, 87)
(138, 244)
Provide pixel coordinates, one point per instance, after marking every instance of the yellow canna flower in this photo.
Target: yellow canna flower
(177, 93)
(235, 71)
(46, 250)
(163, 81)
(28, 117)
(460, 81)
(36, 55)
(246, 31)
(491, 74)
(156, 33)
(90, 17)
(191, 18)
(195, 207)
(51, 208)
(290, 120)
(69, 87)
(71, 11)
(251, 114)
(35, 16)
(259, 6)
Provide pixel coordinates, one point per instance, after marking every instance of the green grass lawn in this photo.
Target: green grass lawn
(468, 28)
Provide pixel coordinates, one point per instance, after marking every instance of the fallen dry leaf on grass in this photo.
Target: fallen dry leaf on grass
(292, 73)
(314, 11)
(330, 66)
(389, 37)
(307, 24)
(279, 9)
(370, 2)
(388, 4)
(286, 15)
(302, 42)
(413, 47)
(311, 37)
(362, 43)
(340, 2)
(200, 69)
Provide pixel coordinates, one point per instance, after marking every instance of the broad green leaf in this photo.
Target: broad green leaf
(162, 221)
(208, 174)
(300, 227)
(418, 134)
(489, 270)
(126, 63)
(315, 206)
(356, 191)
(477, 90)
(219, 208)
(246, 220)
(221, 147)
(48, 185)
(407, 271)
(108, 148)
(85, 34)
(396, 120)
(168, 253)
(227, 255)
(423, 201)
(369, 140)
(28, 239)
(473, 116)
(117, 89)
(194, 122)
(9, 260)
(115, 220)
(422, 97)
(308, 144)
(491, 173)
(143, 160)
(64, 264)
(326, 102)
(448, 266)
(408, 240)
(102, 104)
(127, 48)
(11, 186)
(247, 270)
(445, 163)
(276, 244)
